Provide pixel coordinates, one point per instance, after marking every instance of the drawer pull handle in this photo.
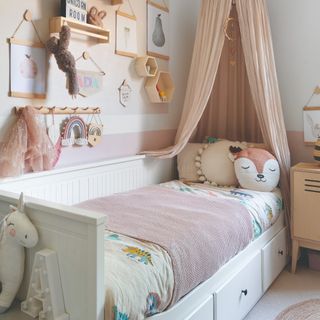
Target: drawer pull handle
(245, 292)
(280, 252)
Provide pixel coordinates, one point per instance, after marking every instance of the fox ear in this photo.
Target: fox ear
(234, 150)
(233, 154)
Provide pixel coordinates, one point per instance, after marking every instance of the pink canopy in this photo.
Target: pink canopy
(260, 71)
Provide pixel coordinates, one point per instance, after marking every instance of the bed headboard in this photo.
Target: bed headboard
(83, 182)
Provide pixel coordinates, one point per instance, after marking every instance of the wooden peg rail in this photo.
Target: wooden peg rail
(63, 110)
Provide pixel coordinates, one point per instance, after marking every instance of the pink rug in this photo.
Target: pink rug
(306, 310)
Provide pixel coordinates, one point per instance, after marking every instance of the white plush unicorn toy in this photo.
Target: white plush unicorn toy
(16, 232)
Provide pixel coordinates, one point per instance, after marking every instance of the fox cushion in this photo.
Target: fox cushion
(256, 169)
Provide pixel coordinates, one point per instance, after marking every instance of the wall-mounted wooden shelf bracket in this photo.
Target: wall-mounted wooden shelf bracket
(89, 30)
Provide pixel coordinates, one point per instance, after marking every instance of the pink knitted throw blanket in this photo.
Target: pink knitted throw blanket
(200, 233)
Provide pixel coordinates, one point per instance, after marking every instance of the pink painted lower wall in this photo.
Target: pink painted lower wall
(116, 146)
(128, 144)
(299, 151)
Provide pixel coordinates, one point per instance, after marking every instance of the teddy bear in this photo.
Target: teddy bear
(65, 60)
(95, 17)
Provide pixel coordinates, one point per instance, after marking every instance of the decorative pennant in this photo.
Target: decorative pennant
(90, 82)
(124, 93)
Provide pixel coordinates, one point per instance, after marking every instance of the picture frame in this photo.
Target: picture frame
(311, 123)
(157, 30)
(28, 69)
(126, 34)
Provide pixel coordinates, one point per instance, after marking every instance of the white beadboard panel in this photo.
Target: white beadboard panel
(80, 183)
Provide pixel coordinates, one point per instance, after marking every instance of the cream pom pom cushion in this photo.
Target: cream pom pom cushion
(186, 168)
(256, 169)
(215, 165)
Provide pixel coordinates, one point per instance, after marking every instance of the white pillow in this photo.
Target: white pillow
(215, 165)
(186, 158)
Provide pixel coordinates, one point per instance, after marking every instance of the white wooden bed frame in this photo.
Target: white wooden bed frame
(77, 236)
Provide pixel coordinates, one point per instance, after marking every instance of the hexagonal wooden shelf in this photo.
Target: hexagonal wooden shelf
(146, 66)
(160, 88)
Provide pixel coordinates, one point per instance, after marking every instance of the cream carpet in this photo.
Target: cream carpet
(287, 290)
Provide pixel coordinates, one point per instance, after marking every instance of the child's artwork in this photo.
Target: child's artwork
(311, 120)
(158, 30)
(27, 70)
(126, 35)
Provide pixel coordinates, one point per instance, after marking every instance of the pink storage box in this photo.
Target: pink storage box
(314, 260)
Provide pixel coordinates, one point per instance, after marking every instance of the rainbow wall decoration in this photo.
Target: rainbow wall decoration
(74, 132)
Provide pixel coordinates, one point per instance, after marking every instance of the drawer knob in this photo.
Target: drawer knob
(245, 292)
(280, 252)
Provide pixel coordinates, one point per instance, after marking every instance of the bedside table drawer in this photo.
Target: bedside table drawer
(306, 203)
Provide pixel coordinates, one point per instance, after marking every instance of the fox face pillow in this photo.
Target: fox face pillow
(256, 169)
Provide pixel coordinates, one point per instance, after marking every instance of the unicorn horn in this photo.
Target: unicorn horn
(21, 203)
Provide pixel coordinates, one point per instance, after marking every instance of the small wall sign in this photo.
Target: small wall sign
(74, 9)
(124, 93)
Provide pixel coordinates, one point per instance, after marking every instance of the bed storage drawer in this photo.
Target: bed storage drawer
(203, 312)
(237, 296)
(274, 258)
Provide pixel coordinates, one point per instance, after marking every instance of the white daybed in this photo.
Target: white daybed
(77, 236)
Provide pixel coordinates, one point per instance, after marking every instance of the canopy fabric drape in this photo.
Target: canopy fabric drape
(261, 69)
(230, 112)
(259, 59)
(204, 66)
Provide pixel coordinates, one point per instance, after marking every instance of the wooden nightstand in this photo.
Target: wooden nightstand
(305, 208)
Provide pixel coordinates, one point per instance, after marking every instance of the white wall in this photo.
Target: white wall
(295, 30)
(140, 117)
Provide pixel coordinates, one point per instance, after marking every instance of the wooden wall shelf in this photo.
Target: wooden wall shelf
(160, 89)
(146, 66)
(115, 2)
(89, 30)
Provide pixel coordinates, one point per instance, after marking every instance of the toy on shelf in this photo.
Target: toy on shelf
(16, 232)
(45, 295)
(160, 88)
(95, 16)
(65, 60)
(162, 94)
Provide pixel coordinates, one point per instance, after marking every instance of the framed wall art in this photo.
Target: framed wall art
(28, 65)
(157, 30)
(27, 69)
(311, 122)
(126, 34)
